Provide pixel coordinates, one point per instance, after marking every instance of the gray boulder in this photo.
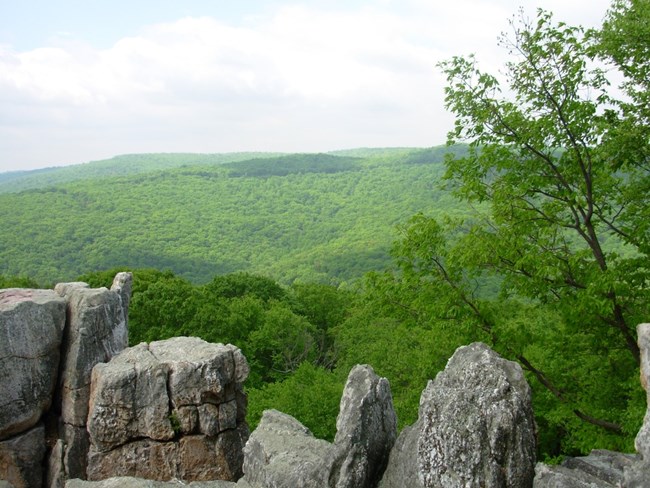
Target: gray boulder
(21, 458)
(169, 409)
(282, 453)
(95, 332)
(475, 427)
(31, 329)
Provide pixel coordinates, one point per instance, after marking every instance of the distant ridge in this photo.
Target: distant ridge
(123, 165)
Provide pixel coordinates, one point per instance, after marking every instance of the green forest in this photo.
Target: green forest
(529, 231)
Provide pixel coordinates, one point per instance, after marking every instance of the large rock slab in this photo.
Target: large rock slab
(31, 330)
(475, 427)
(283, 453)
(96, 330)
(169, 409)
(21, 458)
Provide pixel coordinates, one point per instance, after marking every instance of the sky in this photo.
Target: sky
(83, 80)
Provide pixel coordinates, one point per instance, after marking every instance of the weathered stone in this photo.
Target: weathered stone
(130, 482)
(95, 332)
(5, 484)
(209, 419)
(129, 400)
(212, 458)
(478, 428)
(76, 442)
(168, 391)
(637, 475)
(366, 428)
(563, 477)
(31, 330)
(142, 459)
(642, 441)
(21, 458)
(122, 285)
(200, 372)
(283, 453)
(402, 469)
(475, 428)
(605, 465)
(191, 458)
(55, 476)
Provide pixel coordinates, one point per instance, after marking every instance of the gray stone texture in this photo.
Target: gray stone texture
(131, 482)
(168, 410)
(642, 441)
(96, 330)
(21, 458)
(475, 428)
(478, 428)
(31, 330)
(366, 428)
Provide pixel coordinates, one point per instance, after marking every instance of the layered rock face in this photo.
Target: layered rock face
(475, 428)
(169, 409)
(96, 330)
(49, 343)
(31, 331)
(283, 453)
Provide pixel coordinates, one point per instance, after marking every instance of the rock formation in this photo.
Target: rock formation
(281, 452)
(169, 409)
(31, 329)
(75, 402)
(49, 343)
(475, 428)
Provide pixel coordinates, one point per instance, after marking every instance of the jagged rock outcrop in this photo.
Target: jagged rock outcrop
(366, 428)
(169, 409)
(96, 330)
(281, 452)
(31, 330)
(475, 427)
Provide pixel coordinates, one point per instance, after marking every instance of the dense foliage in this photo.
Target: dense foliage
(309, 217)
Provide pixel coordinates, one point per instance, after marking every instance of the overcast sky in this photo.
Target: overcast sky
(82, 80)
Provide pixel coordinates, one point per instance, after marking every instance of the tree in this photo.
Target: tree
(556, 169)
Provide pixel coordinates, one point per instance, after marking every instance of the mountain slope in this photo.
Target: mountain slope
(299, 217)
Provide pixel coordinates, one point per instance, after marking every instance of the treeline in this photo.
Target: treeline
(301, 217)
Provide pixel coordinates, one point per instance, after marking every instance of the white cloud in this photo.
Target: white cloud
(301, 79)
